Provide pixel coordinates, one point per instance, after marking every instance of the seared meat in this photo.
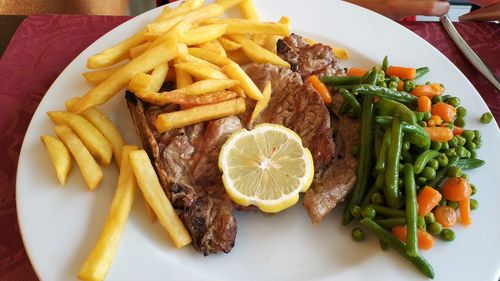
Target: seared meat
(186, 162)
(307, 59)
(298, 106)
(333, 182)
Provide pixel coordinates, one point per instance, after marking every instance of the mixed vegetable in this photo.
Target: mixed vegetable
(413, 152)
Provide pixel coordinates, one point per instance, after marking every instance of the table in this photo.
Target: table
(44, 45)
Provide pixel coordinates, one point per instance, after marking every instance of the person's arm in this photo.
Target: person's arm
(398, 9)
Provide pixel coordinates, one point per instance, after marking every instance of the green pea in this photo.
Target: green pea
(473, 188)
(454, 101)
(461, 151)
(474, 204)
(368, 212)
(419, 115)
(427, 116)
(421, 223)
(447, 234)
(435, 228)
(477, 134)
(478, 142)
(453, 142)
(409, 85)
(468, 135)
(461, 111)
(443, 202)
(450, 152)
(429, 173)
(486, 118)
(473, 154)
(470, 145)
(445, 146)
(430, 218)
(459, 121)
(452, 204)
(437, 99)
(406, 145)
(433, 164)
(421, 180)
(394, 78)
(453, 172)
(435, 145)
(382, 84)
(442, 160)
(356, 211)
(446, 98)
(464, 176)
(422, 123)
(358, 234)
(377, 198)
(461, 140)
(393, 85)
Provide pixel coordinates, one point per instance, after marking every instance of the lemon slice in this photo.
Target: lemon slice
(266, 167)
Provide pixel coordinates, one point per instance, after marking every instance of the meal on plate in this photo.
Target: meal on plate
(242, 115)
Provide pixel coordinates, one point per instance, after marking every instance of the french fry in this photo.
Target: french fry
(100, 148)
(227, 3)
(140, 82)
(205, 86)
(60, 157)
(97, 76)
(102, 122)
(229, 45)
(184, 99)
(116, 53)
(97, 264)
(269, 41)
(156, 198)
(158, 77)
(149, 211)
(248, 10)
(262, 104)
(340, 53)
(245, 26)
(182, 78)
(139, 49)
(239, 57)
(184, 8)
(194, 16)
(203, 34)
(202, 113)
(91, 172)
(258, 53)
(214, 47)
(209, 56)
(201, 71)
(234, 71)
(148, 60)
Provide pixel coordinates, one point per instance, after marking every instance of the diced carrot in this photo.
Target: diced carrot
(445, 215)
(445, 111)
(425, 240)
(354, 71)
(401, 72)
(321, 88)
(424, 104)
(456, 189)
(428, 90)
(458, 131)
(464, 207)
(431, 123)
(427, 199)
(437, 119)
(400, 85)
(439, 134)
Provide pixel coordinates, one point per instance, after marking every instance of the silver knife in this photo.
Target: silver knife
(467, 51)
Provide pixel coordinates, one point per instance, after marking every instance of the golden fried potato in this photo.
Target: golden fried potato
(234, 71)
(209, 56)
(139, 49)
(229, 45)
(186, 100)
(97, 76)
(201, 71)
(60, 157)
(248, 10)
(258, 53)
(262, 104)
(203, 34)
(156, 198)
(97, 264)
(100, 148)
(91, 172)
(227, 3)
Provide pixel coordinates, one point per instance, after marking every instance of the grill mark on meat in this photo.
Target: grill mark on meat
(334, 181)
(185, 160)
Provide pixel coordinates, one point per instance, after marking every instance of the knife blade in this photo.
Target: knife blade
(467, 51)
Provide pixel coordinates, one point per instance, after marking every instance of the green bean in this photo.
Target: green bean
(385, 63)
(351, 101)
(379, 184)
(421, 71)
(384, 92)
(391, 222)
(387, 212)
(384, 235)
(441, 174)
(365, 158)
(392, 196)
(341, 80)
(415, 134)
(422, 160)
(411, 211)
(469, 164)
(382, 156)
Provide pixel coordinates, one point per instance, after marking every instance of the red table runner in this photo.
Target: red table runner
(44, 45)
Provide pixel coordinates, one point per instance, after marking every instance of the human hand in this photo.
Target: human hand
(397, 9)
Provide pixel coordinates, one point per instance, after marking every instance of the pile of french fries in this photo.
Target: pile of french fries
(191, 45)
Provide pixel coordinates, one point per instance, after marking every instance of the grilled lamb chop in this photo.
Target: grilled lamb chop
(334, 182)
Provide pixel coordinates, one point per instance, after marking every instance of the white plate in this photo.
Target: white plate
(60, 225)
